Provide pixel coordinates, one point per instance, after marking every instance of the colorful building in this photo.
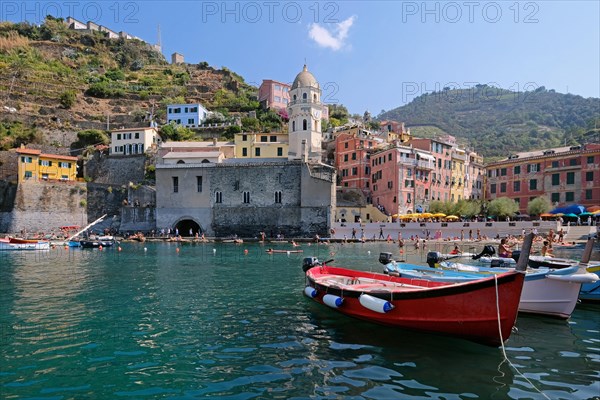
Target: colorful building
(261, 145)
(188, 115)
(33, 164)
(353, 149)
(274, 95)
(441, 175)
(394, 130)
(565, 175)
(401, 179)
(133, 140)
(457, 184)
(474, 176)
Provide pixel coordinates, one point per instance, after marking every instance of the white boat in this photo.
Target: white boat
(546, 291)
(22, 244)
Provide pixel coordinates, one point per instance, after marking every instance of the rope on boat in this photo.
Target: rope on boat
(502, 343)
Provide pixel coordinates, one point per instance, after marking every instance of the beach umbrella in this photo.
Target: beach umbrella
(426, 215)
(451, 217)
(396, 215)
(547, 215)
(439, 215)
(593, 209)
(571, 215)
(585, 214)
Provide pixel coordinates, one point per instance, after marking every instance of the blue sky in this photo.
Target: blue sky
(367, 55)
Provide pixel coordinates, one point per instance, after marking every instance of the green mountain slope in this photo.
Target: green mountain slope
(496, 122)
(56, 79)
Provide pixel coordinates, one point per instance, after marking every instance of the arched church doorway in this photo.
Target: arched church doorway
(188, 227)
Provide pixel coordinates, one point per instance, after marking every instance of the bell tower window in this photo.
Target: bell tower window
(304, 125)
(304, 96)
(293, 126)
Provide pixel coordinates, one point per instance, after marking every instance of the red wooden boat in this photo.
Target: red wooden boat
(482, 311)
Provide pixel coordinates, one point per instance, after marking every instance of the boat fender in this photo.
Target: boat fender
(375, 304)
(575, 278)
(310, 292)
(333, 301)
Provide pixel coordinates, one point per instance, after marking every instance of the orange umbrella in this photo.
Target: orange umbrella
(593, 209)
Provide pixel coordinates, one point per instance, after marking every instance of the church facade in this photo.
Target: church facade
(221, 197)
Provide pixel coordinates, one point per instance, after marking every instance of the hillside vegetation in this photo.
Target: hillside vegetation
(54, 78)
(496, 122)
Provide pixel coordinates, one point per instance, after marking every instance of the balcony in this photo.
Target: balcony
(406, 162)
(425, 164)
(563, 168)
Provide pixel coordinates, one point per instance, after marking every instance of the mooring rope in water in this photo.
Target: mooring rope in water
(502, 342)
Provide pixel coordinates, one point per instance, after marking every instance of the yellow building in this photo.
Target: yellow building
(35, 165)
(261, 145)
(457, 189)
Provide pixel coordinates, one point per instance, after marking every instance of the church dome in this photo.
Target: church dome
(305, 79)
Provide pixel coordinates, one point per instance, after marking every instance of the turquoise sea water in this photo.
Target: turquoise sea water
(209, 321)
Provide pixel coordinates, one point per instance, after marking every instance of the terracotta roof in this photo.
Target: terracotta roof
(29, 151)
(134, 129)
(59, 157)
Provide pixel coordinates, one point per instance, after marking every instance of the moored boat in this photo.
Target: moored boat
(23, 244)
(482, 310)
(546, 291)
(100, 241)
(273, 251)
(590, 292)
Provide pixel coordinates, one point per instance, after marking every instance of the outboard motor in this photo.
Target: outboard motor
(434, 257)
(385, 258)
(310, 262)
(516, 254)
(488, 250)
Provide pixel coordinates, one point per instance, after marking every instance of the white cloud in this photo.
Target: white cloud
(334, 40)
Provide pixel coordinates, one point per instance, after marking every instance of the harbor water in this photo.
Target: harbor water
(168, 321)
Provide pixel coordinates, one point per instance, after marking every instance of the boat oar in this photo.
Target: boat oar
(524, 256)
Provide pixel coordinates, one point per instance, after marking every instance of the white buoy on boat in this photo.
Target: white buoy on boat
(214, 251)
(333, 301)
(145, 249)
(310, 292)
(375, 304)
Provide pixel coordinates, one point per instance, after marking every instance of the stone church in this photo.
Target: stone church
(206, 192)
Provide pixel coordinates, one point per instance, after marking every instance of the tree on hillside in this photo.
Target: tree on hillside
(14, 134)
(90, 137)
(176, 133)
(538, 206)
(503, 207)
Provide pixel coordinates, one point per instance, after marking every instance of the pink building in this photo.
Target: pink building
(274, 95)
(353, 150)
(401, 179)
(441, 175)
